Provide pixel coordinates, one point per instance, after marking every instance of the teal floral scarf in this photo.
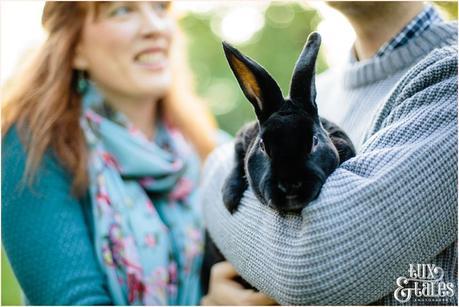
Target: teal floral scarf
(148, 230)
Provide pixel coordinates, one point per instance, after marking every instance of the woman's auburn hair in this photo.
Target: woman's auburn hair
(41, 101)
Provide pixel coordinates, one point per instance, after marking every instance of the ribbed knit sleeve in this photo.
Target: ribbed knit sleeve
(394, 204)
(45, 234)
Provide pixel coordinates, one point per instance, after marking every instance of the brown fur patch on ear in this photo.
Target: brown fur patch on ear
(248, 79)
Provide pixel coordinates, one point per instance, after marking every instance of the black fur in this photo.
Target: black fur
(288, 153)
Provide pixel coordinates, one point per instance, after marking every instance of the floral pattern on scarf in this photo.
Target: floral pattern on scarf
(147, 224)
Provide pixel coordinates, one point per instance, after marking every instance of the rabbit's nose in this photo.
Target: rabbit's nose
(289, 187)
(296, 185)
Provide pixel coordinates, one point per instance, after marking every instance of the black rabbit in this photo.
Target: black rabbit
(289, 152)
(285, 156)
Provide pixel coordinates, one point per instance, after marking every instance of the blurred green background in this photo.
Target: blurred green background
(282, 28)
(284, 25)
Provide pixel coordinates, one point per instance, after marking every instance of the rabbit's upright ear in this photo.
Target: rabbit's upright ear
(256, 83)
(302, 87)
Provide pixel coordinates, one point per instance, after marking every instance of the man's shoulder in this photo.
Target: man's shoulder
(438, 57)
(431, 85)
(437, 67)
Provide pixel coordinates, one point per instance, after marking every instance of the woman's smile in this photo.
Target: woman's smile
(153, 58)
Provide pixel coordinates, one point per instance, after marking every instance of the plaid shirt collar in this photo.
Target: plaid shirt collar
(415, 27)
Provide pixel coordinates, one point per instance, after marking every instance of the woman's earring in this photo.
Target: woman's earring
(82, 82)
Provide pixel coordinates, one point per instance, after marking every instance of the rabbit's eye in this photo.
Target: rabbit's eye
(262, 145)
(315, 141)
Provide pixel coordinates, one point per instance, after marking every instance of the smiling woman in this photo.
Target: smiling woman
(110, 48)
(102, 158)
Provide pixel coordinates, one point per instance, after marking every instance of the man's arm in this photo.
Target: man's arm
(392, 205)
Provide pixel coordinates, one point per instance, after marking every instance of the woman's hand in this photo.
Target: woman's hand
(223, 290)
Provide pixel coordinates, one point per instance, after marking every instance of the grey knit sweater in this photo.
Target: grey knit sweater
(393, 205)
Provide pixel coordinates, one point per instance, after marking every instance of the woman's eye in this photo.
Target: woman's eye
(120, 11)
(162, 6)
